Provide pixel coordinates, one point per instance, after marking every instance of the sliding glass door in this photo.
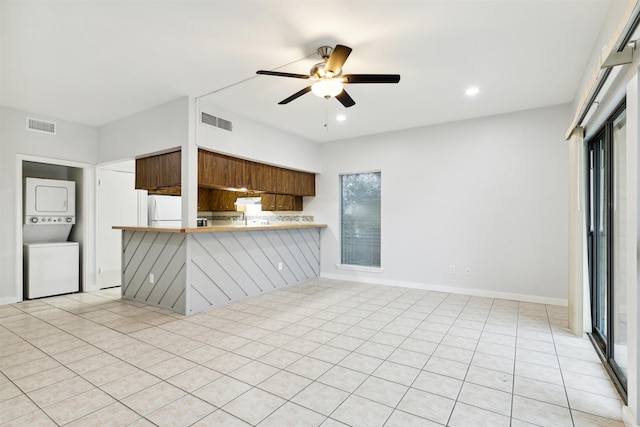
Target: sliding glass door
(606, 231)
(599, 171)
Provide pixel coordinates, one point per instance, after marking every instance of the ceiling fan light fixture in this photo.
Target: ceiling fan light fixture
(327, 88)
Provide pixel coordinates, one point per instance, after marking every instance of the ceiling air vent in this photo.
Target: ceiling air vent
(214, 121)
(41, 126)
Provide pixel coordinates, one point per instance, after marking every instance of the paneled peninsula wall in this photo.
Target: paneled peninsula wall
(189, 271)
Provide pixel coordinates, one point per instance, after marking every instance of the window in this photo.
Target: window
(360, 219)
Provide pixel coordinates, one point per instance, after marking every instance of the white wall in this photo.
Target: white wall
(490, 194)
(71, 143)
(167, 126)
(256, 141)
(150, 131)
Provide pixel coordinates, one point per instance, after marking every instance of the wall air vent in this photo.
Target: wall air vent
(41, 126)
(225, 124)
(214, 121)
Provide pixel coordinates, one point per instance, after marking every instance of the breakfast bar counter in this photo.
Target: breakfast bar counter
(221, 228)
(189, 270)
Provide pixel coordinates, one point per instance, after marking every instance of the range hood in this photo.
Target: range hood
(248, 201)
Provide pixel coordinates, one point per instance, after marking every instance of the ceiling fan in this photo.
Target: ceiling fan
(328, 76)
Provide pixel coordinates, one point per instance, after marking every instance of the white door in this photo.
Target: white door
(119, 203)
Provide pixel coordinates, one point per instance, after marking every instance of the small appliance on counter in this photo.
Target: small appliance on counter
(51, 263)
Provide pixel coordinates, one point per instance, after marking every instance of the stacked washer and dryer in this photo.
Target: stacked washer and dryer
(51, 262)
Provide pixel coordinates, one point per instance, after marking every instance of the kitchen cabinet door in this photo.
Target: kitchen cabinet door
(222, 200)
(219, 171)
(260, 177)
(286, 181)
(230, 200)
(210, 199)
(204, 199)
(281, 202)
(284, 202)
(305, 184)
(268, 202)
(160, 171)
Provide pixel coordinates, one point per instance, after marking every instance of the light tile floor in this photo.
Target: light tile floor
(326, 353)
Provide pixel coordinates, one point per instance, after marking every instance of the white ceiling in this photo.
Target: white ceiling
(93, 62)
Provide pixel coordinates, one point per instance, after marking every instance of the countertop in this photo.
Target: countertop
(220, 228)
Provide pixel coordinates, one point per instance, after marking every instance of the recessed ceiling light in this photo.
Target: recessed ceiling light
(472, 91)
(341, 117)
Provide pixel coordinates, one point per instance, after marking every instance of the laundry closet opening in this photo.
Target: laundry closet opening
(53, 229)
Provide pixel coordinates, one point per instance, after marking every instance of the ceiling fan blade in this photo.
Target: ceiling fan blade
(337, 59)
(279, 74)
(298, 94)
(345, 99)
(371, 78)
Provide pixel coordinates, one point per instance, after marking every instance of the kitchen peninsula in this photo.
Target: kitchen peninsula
(189, 270)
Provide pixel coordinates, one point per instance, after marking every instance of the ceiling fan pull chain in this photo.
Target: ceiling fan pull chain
(326, 115)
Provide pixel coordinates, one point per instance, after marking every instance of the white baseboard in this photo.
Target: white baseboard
(628, 418)
(444, 288)
(10, 300)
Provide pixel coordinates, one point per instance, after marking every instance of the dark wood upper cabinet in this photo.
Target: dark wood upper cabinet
(305, 184)
(261, 177)
(159, 171)
(219, 171)
(286, 181)
(162, 174)
(295, 183)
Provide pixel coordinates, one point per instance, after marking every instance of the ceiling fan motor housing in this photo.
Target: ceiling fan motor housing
(325, 52)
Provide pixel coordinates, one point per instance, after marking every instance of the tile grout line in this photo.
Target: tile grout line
(515, 358)
(564, 385)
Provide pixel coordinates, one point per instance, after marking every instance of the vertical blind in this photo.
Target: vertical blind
(360, 219)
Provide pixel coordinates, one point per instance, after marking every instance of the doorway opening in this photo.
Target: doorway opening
(118, 203)
(52, 169)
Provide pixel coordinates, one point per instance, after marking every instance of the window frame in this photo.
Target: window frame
(358, 267)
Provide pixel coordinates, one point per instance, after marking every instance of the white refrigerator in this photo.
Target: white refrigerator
(51, 269)
(165, 211)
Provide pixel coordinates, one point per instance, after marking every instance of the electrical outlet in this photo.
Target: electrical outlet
(467, 271)
(152, 278)
(452, 269)
(279, 266)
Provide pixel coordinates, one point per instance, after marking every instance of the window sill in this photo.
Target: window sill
(359, 268)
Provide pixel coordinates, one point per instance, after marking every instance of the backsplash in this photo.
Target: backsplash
(233, 218)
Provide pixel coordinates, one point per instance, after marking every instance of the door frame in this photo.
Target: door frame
(86, 208)
(604, 346)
